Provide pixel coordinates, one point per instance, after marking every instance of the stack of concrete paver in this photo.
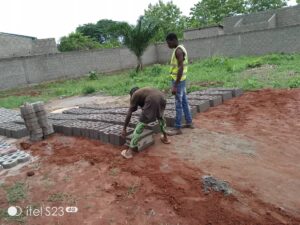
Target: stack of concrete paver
(36, 120)
(40, 111)
(145, 141)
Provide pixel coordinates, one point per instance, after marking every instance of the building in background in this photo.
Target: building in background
(13, 45)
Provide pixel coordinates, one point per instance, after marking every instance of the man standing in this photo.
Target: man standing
(153, 104)
(178, 74)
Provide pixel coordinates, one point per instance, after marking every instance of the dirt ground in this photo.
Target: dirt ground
(252, 142)
(58, 105)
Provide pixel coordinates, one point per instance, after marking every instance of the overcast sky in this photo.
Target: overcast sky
(57, 18)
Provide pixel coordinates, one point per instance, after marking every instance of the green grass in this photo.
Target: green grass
(249, 73)
(14, 195)
(16, 192)
(62, 197)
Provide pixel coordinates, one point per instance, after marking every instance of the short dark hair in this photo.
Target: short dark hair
(171, 37)
(133, 90)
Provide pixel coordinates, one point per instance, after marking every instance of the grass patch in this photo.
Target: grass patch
(62, 197)
(16, 192)
(132, 190)
(88, 90)
(247, 72)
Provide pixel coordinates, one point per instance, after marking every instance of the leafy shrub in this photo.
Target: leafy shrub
(88, 90)
(294, 83)
(255, 63)
(276, 84)
(277, 58)
(93, 75)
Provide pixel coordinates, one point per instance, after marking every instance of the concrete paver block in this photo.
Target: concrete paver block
(145, 140)
(10, 163)
(226, 95)
(213, 100)
(236, 92)
(23, 158)
(201, 105)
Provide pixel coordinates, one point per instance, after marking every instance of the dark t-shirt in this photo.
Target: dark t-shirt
(152, 102)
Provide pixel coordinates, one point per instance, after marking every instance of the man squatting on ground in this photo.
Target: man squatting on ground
(153, 104)
(178, 74)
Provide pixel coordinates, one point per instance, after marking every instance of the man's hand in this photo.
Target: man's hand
(174, 90)
(123, 134)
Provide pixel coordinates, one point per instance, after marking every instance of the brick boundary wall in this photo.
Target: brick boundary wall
(21, 71)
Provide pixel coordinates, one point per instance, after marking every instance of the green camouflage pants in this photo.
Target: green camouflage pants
(139, 130)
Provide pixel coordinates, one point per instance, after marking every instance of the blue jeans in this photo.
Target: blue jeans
(181, 104)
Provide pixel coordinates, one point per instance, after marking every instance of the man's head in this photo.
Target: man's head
(133, 90)
(172, 40)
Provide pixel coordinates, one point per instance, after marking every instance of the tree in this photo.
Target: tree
(104, 31)
(298, 1)
(262, 5)
(137, 39)
(76, 42)
(168, 18)
(208, 12)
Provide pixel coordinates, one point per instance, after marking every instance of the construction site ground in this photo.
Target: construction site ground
(252, 142)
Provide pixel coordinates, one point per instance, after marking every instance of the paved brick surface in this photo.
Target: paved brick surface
(8, 115)
(213, 100)
(106, 123)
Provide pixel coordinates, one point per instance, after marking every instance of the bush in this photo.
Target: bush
(88, 90)
(93, 75)
(255, 63)
(252, 84)
(277, 58)
(294, 83)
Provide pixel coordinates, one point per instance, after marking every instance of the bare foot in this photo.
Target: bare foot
(127, 153)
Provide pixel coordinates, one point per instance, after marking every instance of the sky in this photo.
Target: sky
(57, 18)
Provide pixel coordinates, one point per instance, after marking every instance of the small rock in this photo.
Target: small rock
(25, 145)
(211, 183)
